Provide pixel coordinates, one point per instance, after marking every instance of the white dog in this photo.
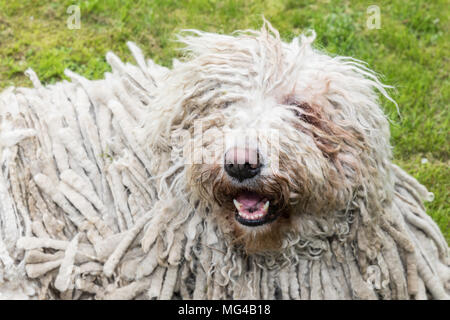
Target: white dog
(253, 169)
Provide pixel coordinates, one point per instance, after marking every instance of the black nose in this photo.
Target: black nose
(242, 163)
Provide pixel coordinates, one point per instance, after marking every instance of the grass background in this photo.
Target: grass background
(410, 51)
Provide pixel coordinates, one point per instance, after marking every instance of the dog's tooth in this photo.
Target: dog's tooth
(266, 207)
(237, 205)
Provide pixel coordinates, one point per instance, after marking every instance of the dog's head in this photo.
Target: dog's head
(274, 134)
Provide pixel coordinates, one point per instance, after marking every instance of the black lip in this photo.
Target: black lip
(269, 217)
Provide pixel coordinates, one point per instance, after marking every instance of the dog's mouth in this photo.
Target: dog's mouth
(253, 209)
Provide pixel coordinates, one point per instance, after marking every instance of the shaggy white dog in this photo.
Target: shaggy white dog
(253, 169)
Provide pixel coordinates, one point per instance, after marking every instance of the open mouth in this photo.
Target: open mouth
(253, 209)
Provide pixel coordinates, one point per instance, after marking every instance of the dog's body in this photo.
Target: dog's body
(255, 169)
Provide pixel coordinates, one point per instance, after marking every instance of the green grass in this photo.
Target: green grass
(410, 51)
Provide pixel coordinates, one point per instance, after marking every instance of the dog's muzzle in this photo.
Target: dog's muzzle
(252, 208)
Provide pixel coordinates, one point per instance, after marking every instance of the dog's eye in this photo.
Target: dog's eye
(301, 109)
(297, 110)
(226, 104)
(293, 105)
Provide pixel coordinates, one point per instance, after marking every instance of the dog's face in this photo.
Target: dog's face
(270, 161)
(276, 132)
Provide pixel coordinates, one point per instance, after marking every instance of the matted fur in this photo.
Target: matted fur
(98, 198)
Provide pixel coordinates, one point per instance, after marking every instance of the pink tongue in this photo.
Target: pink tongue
(249, 199)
